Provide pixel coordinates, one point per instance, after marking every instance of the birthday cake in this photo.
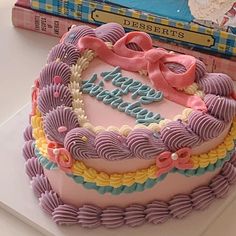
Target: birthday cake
(122, 133)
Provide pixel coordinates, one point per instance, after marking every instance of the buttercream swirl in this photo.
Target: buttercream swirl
(66, 53)
(202, 197)
(180, 206)
(40, 184)
(228, 171)
(78, 32)
(52, 96)
(219, 186)
(110, 32)
(157, 212)
(52, 70)
(112, 217)
(28, 133)
(112, 146)
(222, 108)
(28, 150)
(176, 136)
(216, 83)
(90, 216)
(33, 167)
(65, 214)
(145, 143)
(80, 143)
(61, 117)
(200, 70)
(135, 215)
(204, 125)
(49, 201)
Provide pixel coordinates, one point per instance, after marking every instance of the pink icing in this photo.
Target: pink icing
(154, 61)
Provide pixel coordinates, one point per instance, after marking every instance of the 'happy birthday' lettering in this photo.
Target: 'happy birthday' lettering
(127, 85)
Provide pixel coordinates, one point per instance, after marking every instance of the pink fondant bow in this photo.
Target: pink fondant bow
(154, 61)
(60, 156)
(166, 161)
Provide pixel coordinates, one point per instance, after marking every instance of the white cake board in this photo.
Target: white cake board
(17, 197)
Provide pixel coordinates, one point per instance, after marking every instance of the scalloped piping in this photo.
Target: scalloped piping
(53, 204)
(78, 104)
(126, 187)
(139, 176)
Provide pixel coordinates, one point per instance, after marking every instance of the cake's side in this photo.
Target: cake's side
(103, 73)
(156, 211)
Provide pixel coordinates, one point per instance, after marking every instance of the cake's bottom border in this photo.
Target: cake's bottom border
(91, 216)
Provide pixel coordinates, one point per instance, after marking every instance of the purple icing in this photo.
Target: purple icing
(221, 108)
(180, 206)
(112, 146)
(216, 83)
(60, 117)
(78, 32)
(53, 69)
(33, 167)
(49, 200)
(219, 186)
(200, 70)
(110, 32)
(157, 212)
(133, 46)
(80, 143)
(176, 135)
(228, 171)
(135, 215)
(52, 96)
(28, 150)
(145, 144)
(28, 133)
(65, 215)
(112, 217)
(89, 216)
(66, 53)
(176, 68)
(40, 184)
(204, 125)
(202, 197)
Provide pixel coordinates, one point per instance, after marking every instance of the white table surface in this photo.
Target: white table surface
(23, 54)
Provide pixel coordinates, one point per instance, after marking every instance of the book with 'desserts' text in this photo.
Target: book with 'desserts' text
(56, 26)
(183, 29)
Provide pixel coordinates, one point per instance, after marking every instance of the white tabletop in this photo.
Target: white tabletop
(22, 56)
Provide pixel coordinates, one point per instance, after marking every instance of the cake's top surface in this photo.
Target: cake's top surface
(109, 95)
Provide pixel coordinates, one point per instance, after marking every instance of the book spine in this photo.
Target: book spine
(40, 22)
(23, 3)
(182, 33)
(57, 26)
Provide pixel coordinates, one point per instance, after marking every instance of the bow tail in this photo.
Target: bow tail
(159, 82)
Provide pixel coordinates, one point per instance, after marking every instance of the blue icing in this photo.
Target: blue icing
(114, 98)
(134, 187)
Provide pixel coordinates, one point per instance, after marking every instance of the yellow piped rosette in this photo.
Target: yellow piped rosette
(127, 179)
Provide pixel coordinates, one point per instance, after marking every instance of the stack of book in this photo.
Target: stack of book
(55, 18)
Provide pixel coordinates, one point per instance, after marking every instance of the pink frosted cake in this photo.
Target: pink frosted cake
(122, 133)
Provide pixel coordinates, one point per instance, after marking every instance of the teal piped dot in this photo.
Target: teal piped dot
(139, 188)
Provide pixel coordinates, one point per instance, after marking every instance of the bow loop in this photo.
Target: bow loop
(180, 159)
(154, 55)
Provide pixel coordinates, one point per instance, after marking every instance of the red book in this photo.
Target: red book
(56, 26)
(23, 3)
(40, 22)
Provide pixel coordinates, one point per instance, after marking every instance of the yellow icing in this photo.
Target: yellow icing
(129, 178)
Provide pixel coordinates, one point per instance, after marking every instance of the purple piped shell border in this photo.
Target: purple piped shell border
(148, 144)
(156, 212)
